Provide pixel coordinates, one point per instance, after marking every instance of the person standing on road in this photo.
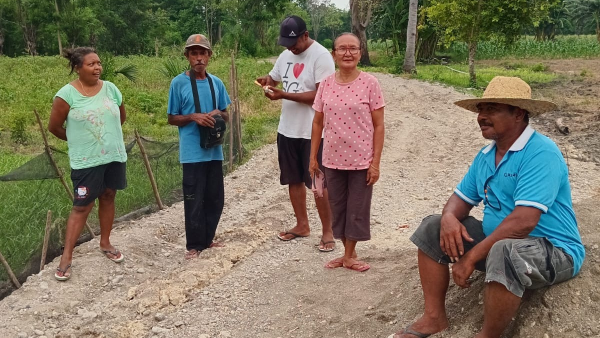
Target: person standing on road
(349, 108)
(300, 69)
(203, 187)
(93, 111)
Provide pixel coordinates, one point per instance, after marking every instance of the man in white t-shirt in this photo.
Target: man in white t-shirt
(299, 69)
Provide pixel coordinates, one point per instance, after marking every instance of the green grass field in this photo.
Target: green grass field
(30, 83)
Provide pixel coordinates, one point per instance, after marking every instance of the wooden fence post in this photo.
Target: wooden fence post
(149, 170)
(233, 118)
(56, 168)
(12, 276)
(46, 238)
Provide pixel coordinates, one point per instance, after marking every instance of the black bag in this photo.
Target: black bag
(209, 137)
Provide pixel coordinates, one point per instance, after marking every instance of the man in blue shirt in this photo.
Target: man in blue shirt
(203, 187)
(528, 238)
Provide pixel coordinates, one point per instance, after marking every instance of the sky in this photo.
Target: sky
(342, 4)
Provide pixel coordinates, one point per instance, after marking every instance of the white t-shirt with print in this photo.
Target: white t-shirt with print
(298, 74)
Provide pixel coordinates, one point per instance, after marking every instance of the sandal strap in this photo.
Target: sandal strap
(65, 270)
(114, 253)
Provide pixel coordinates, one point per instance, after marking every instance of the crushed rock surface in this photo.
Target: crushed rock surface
(258, 286)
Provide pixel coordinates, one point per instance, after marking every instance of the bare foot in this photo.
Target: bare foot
(294, 232)
(327, 243)
(191, 254)
(216, 245)
(423, 325)
(335, 263)
(356, 265)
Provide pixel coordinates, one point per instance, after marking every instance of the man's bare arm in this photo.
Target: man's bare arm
(518, 224)
(305, 97)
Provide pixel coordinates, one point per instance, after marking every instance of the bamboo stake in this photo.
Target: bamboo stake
(239, 115)
(149, 170)
(56, 168)
(46, 238)
(233, 116)
(12, 276)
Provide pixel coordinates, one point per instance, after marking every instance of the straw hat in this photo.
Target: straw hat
(512, 91)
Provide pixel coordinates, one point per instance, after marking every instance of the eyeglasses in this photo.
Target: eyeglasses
(488, 190)
(343, 50)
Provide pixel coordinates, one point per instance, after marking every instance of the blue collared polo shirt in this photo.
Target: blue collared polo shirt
(533, 173)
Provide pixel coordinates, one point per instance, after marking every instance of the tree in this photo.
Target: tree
(411, 38)
(361, 11)
(586, 14)
(558, 18)
(317, 10)
(471, 21)
(334, 22)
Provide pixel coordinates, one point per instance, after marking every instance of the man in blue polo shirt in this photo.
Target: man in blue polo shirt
(203, 189)
(528, 238)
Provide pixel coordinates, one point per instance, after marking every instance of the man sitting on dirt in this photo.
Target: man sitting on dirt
(203, 188)
(300, 68)
(528, 238)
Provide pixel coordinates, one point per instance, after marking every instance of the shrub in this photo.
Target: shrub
(18, 129)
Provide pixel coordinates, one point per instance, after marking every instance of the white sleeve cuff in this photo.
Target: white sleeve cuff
(532, 204)
(465, 198)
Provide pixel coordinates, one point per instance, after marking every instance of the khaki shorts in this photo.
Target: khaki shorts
(518, 264)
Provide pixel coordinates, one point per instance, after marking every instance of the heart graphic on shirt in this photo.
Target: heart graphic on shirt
(298, 68)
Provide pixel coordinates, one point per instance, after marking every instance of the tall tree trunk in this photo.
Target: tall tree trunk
(1, 42)
(219, 31)
(598, 29)
(361, 14)
(29, 31)
(60, 51)
(156, 47)
(472, 53)
(411, 38)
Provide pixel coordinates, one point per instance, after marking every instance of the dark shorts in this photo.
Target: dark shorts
(294, 157)
(350, 202)
(518, 264)
(90, 183)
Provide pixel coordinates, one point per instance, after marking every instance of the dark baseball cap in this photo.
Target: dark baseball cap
(290, 30)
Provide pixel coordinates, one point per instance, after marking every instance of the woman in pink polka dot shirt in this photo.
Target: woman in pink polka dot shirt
(349, 114)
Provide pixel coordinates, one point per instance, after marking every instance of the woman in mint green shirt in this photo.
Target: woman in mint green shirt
(88, 114)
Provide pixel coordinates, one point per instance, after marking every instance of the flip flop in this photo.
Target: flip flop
(64, 276)
(324, 249)
(119, 257)
(360, 267)
(334, 263)
(408, 330)
(294, 235)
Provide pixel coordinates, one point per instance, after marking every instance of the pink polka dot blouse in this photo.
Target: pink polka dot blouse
(348, 124)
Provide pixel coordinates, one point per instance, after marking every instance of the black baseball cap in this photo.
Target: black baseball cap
(290, 30)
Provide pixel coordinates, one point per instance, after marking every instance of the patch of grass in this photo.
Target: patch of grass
(443, 74)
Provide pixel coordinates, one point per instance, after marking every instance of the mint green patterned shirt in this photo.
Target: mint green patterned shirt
(94, 133)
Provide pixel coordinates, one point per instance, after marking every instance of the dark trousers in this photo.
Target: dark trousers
(350, 202)
(203, 199)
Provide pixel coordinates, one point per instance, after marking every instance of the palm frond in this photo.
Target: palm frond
(129, 71)
(173, 67)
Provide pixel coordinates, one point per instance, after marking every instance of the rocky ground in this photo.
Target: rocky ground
(258, 286)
